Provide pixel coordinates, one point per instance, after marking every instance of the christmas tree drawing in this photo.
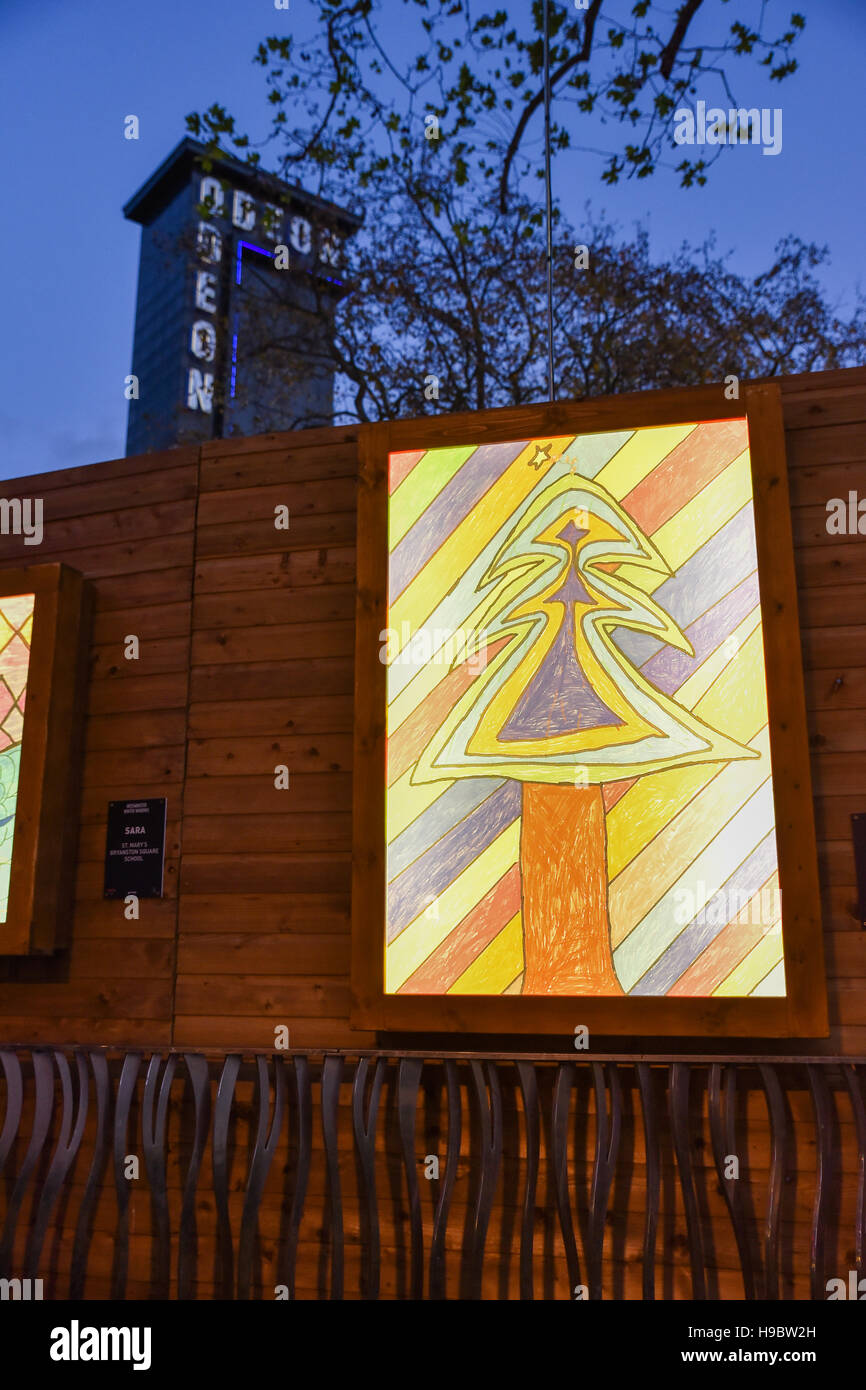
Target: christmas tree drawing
(561, 709)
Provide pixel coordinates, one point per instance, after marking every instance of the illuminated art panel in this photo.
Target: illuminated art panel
(16, 631)
(579, 785)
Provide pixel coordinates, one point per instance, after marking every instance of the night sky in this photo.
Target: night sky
(72, 72)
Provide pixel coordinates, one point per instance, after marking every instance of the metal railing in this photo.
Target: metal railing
(256, 1175)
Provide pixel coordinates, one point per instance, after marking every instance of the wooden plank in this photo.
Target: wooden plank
(60, 479)
(67, 535)
(59, 1028)
(277, 570)
(255, 1031)
(326, 714)
(119, 999)
(810, 528)
(842, 605)
(104, 919)
(102, 492)
(140, 729)
(156, 620)
(326, 604)
(818, 475)
(255, 537)
(129, 591)
(829, 444)
(833, 815)
(281, 999)
(836, 862)
(128, 557)
(302, 912)
(272, 680)
(846, 956)
(135, 766)
(90, 879)
(164, 690)
(289, 462)
(324, 436)
(838, 688)
(263, 873)
(253, 503)
(286, 641)
(836, 731)
(840, 908)
(284, 955)
(822, 406)
(156, 654)
(834, 647)
(117, 960)
(220, 757)
(292, 832)
(256, 795)
(839, 563)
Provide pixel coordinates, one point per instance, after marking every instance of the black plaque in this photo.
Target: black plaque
(135, 848)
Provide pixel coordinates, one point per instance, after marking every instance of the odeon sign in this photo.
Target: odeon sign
(274, 225)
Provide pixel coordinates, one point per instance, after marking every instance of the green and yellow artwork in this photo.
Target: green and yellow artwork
(16, 627)
(579, 784)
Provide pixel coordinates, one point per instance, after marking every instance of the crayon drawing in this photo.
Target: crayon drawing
(580, 796)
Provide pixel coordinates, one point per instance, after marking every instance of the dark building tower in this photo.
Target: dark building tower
(238, 280)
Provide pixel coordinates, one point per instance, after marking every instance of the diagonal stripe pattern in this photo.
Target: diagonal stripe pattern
(683, 844)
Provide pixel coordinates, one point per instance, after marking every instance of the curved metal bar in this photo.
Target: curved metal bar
(260, 1165)
(679, 1112)
(607, 1135)
(65, 1153)
(14, 1102)
(486, 1078)
(529, 1092)
(721, 1100)
(778, 1167)
(154, 1119)
(43, 1072)
(332, 1073)
(93, 1186)
(559, 1153)
(222, 1116)
(408, 1081)
(852, 1079)
(199, 1076)
(304, 1104)
(365, 1141)
(653, 1176)
(452, 1159)
(125, 1092)
(823, 1104)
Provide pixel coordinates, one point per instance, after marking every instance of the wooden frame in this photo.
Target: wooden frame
(803, 1010)
(46, 821)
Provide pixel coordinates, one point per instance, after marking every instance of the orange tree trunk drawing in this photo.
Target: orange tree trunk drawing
(560, 708)
(566, 932)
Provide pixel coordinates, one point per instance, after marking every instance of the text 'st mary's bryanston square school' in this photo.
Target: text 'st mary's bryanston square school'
(238, 280)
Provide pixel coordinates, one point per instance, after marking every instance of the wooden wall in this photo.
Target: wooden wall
(246, 662)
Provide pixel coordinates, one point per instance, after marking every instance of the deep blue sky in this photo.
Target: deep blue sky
(70, 72)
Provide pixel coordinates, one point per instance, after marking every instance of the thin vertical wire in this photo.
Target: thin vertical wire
(547, 180)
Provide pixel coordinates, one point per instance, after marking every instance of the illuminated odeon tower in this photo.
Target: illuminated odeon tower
(238, 280)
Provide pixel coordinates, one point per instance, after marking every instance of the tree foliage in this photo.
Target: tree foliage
(425, 114)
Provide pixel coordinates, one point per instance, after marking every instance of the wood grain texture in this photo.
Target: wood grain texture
(248, 660)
